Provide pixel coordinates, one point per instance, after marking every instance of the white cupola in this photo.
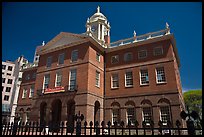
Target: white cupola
(98, 27)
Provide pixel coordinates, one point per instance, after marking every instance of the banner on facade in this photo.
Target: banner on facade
(54, 90)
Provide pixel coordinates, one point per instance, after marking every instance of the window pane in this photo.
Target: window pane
(98, 57)
(142, 54)
(72, 81)
(158, 51)
(160, 75)
(114, 59)
(128, 57)
(97, 79)
(74, 55)
(129, 78)
(61, 59)
(49, 61)
(115, 82)
(46, 80)
(144, 78)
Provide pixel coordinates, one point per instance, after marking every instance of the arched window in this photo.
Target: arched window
(147, 111)
(115, 112)
(165, 113)
(130, 112)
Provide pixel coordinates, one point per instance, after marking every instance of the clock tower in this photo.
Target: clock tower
(99, 28)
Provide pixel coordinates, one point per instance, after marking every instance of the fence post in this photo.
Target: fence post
(97, 129)
(122, 125)
(136, 126)
(7, 128)
(160, 127)
(19, 127)
(4, 129)
(33, 127)
(103, 125)
(178, 124)
(85, 124)
(91, 124)
(169, 126)
(129, 124)
(109, 124)
(11, 129)
(62, 127)
(115, 126)
(144, 126)
(36, 131)
(152, 126)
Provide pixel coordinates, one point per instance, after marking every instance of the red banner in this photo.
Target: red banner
(53, 90)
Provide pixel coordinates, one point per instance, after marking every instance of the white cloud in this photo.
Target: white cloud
(187, 89)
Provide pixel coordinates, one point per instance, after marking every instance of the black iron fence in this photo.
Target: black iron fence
(84, 128)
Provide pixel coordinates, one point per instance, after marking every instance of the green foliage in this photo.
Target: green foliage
(193, 99)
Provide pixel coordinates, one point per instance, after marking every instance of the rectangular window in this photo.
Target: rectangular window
(10, 68)
(61, 59)
(49, 61)
(158, 51)
(144, 78)
(142, 54)
(46, 81)
(3, 67)
(164, 114)
(128, 79)
(58, 80)
(3, 80)
(24, 95)
(131, 115)
(115, 59)
(74, 56)
(8, 89)
(97, 79)
(115, 81)
(115, 115)
(31, 91)
(147, 115)
(2, 88)
(72, 80)
(6, 98)
(98, 56)
(160, 75)
(9, 81)
(9, 74)
(128, 57)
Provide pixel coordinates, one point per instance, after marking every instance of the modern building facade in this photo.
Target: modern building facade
(132, 79)
(7, 88)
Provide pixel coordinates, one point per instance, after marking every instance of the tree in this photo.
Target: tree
(193, 99)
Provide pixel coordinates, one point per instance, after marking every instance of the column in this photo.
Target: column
(99, 31)
(102, 32)
(139, 116)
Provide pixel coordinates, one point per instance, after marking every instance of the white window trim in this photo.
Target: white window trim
(70, 77)
(156, 48)
(161, 115)
(44, 83)
(23, 95)
(139, 54)
(164, 74)
(30, 92)
(98, 79)
(112, 81)
(56, 78)
(126, 81)
(59, 59)
(127, 115)
(141, 77)
(99, 60)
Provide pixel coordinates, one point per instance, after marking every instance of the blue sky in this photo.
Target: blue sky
(26, 24)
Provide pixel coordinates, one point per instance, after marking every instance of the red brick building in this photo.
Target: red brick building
(132, 79)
